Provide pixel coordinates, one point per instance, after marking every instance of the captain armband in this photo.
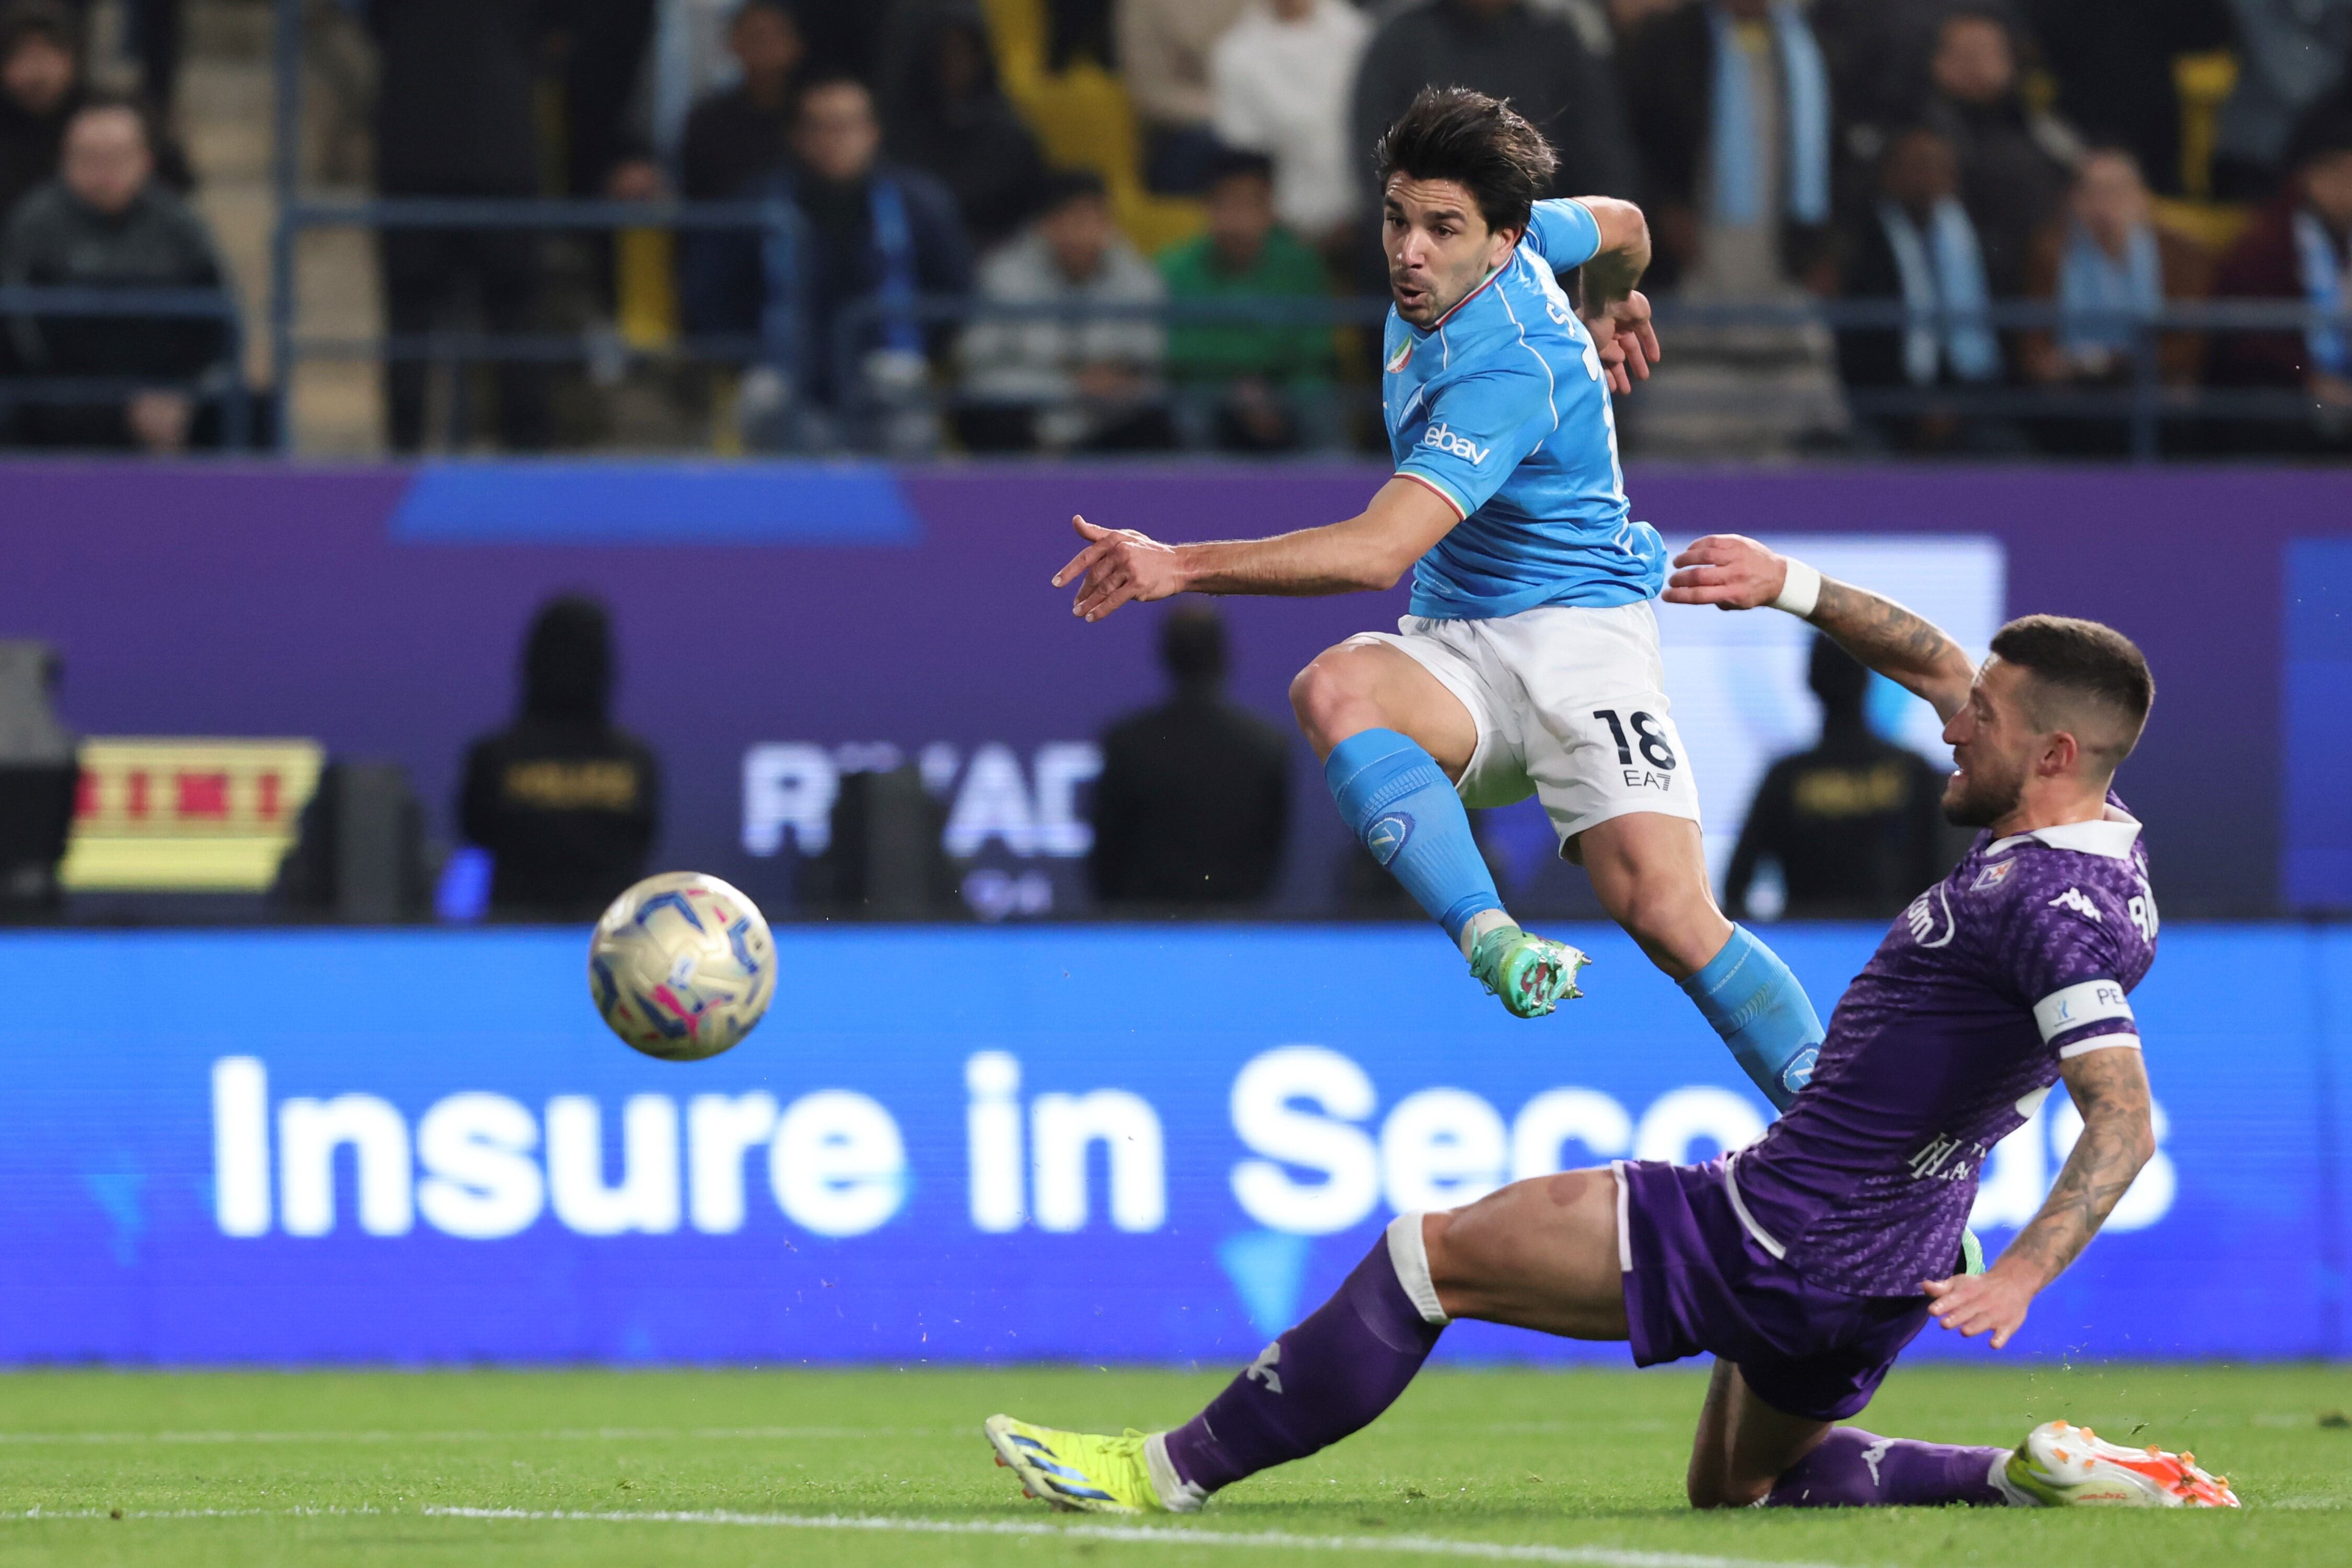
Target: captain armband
(2074, 1007)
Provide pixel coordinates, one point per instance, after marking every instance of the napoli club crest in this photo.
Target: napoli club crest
(1385, 838)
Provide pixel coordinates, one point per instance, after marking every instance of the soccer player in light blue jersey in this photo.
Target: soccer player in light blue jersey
(1529, 662)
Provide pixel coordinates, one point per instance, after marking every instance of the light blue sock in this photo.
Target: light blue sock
(1401, 807)
(1762, 1014)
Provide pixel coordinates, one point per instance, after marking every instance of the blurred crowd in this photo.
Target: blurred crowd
(94, 194)
(1103, 183)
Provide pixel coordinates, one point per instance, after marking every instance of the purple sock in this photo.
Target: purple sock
(1855, 1469)
(1324, 1379)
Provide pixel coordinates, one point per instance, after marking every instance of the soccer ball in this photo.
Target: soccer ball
(682, 966)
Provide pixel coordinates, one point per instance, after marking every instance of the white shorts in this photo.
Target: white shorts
(1571, 706)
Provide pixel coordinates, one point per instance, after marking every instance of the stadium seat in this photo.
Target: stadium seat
(2204, 82)
(1082, 118)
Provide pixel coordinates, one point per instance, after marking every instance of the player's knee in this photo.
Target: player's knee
(1713, 1491)
(1741, 1491)
(1330, 699)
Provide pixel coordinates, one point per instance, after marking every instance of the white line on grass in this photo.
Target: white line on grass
(1268, 1540)
(1414, 1545)
(1285, 1541)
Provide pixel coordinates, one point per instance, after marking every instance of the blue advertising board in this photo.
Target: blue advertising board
(2317, 874)
(960, 1145)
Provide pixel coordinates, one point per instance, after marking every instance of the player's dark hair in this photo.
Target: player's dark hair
(1481, 143)
(2084, 659)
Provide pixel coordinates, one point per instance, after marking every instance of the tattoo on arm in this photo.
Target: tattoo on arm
(1610, 276)
(2111, 1088)
(1907, 648)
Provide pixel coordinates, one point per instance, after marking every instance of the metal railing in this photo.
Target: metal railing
(222, 382)
(2143, 402)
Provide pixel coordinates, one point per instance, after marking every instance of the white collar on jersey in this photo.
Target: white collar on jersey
(2111, 835)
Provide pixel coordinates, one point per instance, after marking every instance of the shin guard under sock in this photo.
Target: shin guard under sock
(1762, 1014)
(1855, 1469)
(1401, 806)
(1324, 1379)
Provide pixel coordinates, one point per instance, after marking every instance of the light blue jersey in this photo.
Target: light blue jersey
(1503, 410)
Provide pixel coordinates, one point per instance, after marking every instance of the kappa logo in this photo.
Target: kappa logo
(1992, 876)
(1385, 838)
(1874, 1455)
(2073, 899)
(1442, 437)
(1262, 1370)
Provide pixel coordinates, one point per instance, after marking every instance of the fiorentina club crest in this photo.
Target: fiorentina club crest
(1992, 876)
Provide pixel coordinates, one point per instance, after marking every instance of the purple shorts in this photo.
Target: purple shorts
(1696, 1280)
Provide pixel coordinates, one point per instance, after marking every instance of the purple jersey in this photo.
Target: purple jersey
(1942, 1046)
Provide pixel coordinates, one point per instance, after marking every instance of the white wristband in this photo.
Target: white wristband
(1801, 591)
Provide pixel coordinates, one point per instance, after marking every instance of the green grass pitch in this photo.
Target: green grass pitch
(888, 1466)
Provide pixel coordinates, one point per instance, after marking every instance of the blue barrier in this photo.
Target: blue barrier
(958, 1145)
(625, 503)
(2315, 872)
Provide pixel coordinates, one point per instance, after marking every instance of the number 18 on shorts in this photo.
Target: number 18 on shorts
(1571, 707)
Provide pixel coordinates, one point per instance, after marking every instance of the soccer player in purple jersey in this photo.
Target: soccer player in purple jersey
(1808, 1260)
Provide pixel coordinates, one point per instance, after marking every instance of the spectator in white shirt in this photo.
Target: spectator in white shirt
(1163, 57)
(1281, 80)
(1084, 377)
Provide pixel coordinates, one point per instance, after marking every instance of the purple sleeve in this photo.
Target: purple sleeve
(2070, 961)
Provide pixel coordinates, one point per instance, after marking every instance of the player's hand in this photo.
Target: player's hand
(1992, 1304)
(1626, 342)
(1119, 564)
(1729, 570)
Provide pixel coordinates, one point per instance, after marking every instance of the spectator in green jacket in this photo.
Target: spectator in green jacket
(1241, 385)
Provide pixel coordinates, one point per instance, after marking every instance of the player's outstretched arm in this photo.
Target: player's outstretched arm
(1732, 571)
(1370, 551)
(2110, 1088)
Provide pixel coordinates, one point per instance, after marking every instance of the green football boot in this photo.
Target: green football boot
(1531, 974)
(1079, 1472)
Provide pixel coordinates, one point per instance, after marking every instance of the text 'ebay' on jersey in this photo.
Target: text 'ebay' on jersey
(1502, 407)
